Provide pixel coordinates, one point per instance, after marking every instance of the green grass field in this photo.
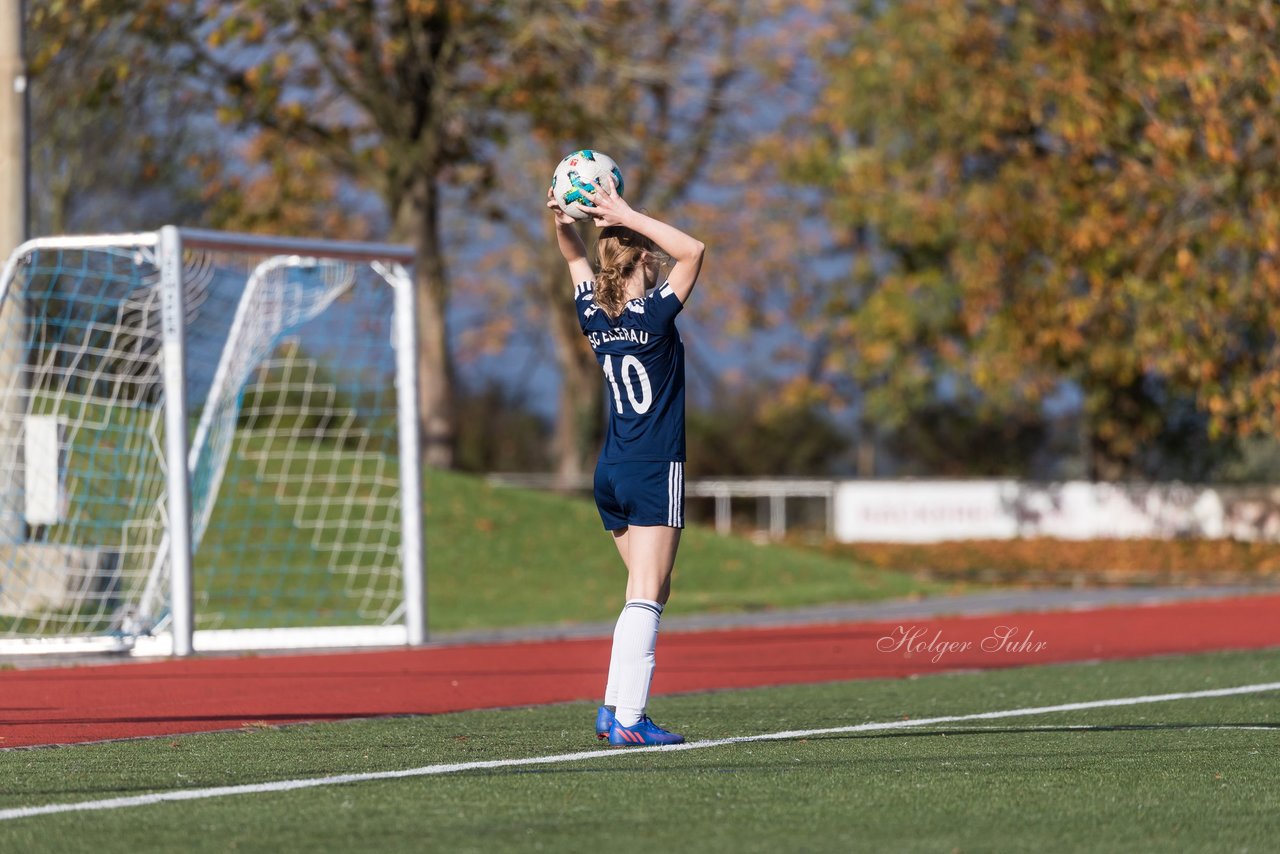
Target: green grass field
(510, 557)
(1186, 775)
(499, 557)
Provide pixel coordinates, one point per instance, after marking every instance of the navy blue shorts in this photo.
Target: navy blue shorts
(640, 493)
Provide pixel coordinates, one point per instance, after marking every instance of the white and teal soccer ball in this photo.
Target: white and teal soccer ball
(583, 172)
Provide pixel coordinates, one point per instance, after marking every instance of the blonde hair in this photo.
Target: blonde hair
(618, 252)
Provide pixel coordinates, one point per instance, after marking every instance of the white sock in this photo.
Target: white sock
(633, 647)
(611, 687)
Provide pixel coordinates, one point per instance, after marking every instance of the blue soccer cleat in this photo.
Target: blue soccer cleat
(604, 721)
(644, 732)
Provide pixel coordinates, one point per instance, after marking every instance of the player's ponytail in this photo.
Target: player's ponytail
(619, 252)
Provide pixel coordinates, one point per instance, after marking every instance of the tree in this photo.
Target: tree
(653, 95)
(680, 101)
(748, 433)
(958, 440)
(396, 96)
(503, 435)
(1083, 192)
(112, 146)
(431, 106)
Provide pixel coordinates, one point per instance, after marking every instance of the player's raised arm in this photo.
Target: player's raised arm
(687, 252)
(571, 247)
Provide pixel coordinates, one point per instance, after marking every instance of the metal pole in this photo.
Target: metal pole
(777, 516)
(13, 231)
(13, 132)
(831, 512)
(182, 600)
(412, 541)
(724, 518)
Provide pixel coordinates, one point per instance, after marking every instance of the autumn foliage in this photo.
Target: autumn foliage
(926, 206)
(1083, 192)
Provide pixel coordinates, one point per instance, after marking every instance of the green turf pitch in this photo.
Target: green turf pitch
(1186, 775)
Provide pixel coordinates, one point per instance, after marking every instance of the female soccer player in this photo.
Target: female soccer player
(639, 480)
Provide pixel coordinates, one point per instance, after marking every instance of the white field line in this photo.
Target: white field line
(583, 756)
(1110, 727)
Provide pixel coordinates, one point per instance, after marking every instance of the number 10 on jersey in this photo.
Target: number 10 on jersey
(632, 374)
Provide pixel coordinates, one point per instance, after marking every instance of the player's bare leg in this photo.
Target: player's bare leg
(650, 557)
(655, 557)
(622, 541)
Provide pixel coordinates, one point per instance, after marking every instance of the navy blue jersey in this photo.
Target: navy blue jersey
(642, 358)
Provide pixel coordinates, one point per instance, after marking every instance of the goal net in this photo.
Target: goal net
(208, 441)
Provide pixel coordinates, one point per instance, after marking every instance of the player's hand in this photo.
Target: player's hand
(562, 218)
(610, 208)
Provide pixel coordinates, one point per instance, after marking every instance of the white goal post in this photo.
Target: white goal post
(208, 441)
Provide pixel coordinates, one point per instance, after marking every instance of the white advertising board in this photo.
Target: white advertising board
(938, 511)
(922, 511)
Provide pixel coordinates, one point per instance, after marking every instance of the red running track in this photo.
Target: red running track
(98, 702)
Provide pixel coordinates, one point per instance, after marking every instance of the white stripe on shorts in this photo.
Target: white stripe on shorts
(675, 495)
(671, 493)
(680, 495)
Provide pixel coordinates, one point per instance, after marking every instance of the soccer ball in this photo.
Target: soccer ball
(583, 172)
